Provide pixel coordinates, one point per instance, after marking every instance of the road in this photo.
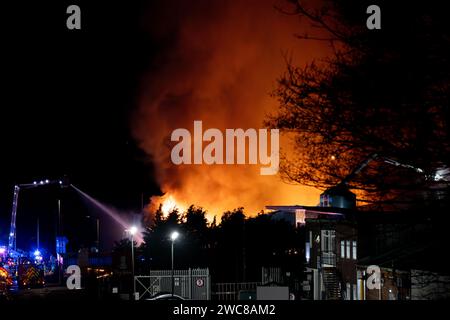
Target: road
(48, 293)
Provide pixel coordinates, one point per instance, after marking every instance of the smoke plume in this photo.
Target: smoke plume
(218, 62)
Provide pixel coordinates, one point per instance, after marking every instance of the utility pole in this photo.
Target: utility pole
(244, 255)
(59, 218)
(98, 234)
(172, 274)
(37, 234)
(58, 255)
(132, 231)
(132, 266)
(173, 237)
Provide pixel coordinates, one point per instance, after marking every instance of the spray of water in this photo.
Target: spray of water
(111, 212)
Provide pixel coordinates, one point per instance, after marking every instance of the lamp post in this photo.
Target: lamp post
(133, 230)
(173, 237)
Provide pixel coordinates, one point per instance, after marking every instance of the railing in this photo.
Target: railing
(230, 291)
(329, 259)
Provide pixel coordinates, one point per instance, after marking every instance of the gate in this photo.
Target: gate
(192, 284)
(231, 291)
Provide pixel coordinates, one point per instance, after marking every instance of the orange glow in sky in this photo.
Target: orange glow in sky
(222, 63)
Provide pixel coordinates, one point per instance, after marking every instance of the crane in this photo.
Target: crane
(17, 188)
(340, 193)
(372, 157)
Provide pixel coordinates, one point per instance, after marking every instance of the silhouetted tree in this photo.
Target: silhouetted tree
(235, 250)
(380, 91)
(156, 246)
(159, 216)
(195, 238)
(123, 244)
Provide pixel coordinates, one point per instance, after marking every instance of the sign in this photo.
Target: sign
(199, 282)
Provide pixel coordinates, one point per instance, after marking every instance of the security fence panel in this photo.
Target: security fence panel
(232, 291)
(192, 284)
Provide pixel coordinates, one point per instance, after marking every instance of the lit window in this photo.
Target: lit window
(307, 251)
(342, 249)
(354, 250)
(347, 243)
(325, 201)
(348, 292)
(328, 240)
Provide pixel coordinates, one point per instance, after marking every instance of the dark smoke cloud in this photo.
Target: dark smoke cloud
(218, 63)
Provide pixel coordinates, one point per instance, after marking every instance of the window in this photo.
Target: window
(348, 249)
(307, 251)
(325, 200)
(348, 292)
(360, 289)
(327, 241)
(354, 297)
(347, 244)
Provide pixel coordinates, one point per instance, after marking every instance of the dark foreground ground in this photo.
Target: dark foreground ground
(47, 293)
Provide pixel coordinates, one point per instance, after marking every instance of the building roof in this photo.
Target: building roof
(312, 209)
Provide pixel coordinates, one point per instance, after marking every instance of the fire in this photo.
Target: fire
(168, 205)
(221, 62)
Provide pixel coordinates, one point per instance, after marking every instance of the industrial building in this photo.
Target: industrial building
(342, 241)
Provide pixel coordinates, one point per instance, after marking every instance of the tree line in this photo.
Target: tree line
(234, 249)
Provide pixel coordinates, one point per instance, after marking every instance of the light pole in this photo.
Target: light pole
(132, 232)
(97, 233)
(173, 237)
(59, 231)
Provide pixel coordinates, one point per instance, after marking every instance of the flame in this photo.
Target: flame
(167, 202)
(220, 63)
(168, 205)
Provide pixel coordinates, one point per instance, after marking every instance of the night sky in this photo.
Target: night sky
(94, 103)
(66, 100)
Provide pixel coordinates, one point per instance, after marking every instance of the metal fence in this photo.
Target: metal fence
(193, 284)
(271, 275)
(232, 291)
(329, 258)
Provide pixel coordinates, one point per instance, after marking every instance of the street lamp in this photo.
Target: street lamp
(133, 230)
(174, 235)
